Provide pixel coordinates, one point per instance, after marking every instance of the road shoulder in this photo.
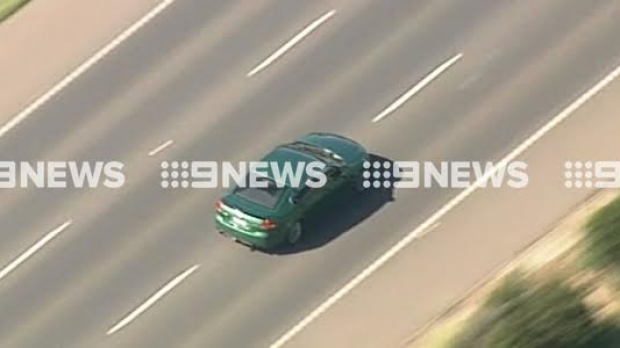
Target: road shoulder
(559, 241)
(479, 237)
(46, 40)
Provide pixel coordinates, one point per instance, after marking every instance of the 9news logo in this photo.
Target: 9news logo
(592, 174)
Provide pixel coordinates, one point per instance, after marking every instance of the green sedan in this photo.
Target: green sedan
(270, 215)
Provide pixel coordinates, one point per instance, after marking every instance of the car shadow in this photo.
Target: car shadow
(347, 208)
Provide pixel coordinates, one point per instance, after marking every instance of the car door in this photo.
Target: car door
(335, 178)
(308, 197)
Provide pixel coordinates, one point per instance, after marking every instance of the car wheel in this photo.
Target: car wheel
(294, 235)
(358, 183)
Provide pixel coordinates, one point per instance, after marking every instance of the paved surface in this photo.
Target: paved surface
(183, 77)
(44, 40)
(472, 242)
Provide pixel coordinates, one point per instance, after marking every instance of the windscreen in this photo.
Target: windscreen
(268, 196)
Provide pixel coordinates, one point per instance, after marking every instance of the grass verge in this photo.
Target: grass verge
(8, 7)
(587, 233)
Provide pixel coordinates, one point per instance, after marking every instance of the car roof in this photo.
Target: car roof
(254, 200)
(284, 155)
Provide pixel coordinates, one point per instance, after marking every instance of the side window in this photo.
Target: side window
(332, 173)
(303, 193)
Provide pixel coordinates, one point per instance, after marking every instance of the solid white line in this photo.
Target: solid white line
(151, 301)
(160, 148)
(428, 230)
(554, 122)
(33, 249)
(59, 86)
(418, 87)
(292, 42)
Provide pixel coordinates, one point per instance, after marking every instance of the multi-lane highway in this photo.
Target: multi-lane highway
(227, 80)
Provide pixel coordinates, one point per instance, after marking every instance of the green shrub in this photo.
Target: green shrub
(602, 240)
(8, 7)
(529, 315)
(511, 288)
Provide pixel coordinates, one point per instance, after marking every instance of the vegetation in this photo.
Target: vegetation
(546, 308)
(524, 313)
(602, 241)
(8, 7)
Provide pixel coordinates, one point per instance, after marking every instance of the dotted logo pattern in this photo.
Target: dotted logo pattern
(175, 174)
(378, 174)
(578, 174)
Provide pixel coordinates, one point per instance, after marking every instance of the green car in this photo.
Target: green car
(270, 215)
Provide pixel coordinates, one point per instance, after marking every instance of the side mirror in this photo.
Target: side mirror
(295, 197)
(298, 195)
(334, 172)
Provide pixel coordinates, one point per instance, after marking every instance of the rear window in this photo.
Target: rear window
(266, 196)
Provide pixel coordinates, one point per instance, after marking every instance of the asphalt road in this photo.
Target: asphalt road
(183, 77)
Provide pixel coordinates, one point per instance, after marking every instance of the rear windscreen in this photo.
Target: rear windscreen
(266, 196)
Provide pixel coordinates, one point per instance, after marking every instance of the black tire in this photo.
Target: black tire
(294, 234)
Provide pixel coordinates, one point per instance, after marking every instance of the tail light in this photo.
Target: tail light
(268, 224)
(218, 206)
